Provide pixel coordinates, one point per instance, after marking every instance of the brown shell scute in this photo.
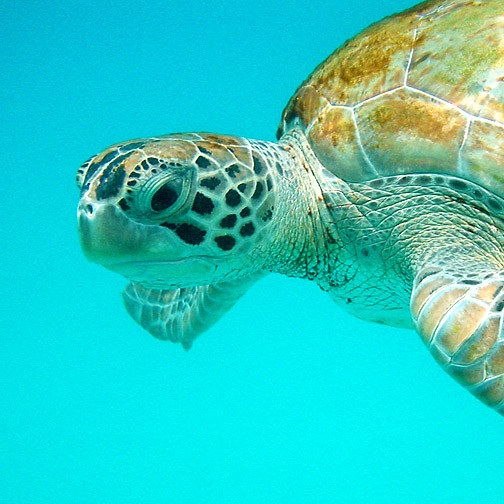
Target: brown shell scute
(419, 91)
(388, 123)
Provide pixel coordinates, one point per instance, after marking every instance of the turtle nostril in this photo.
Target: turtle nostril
(86, 208)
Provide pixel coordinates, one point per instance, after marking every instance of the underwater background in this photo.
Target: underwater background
(287, 399)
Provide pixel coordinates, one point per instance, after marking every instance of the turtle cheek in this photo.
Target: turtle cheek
(192, 226)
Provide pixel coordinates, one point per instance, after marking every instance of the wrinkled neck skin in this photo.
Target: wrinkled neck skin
(369, 240)
(297, 244)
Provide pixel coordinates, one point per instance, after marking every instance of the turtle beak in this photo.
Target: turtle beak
(110, 238)
(105, 233)
(142, 253)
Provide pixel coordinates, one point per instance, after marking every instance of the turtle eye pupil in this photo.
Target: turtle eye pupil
(165, 196)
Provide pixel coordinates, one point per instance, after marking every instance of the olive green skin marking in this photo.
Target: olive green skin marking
(385, 187)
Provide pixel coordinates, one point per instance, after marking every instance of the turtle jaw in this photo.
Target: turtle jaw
(142, 253)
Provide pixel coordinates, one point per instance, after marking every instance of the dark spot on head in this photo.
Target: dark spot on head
(204, 151)
(211, 183)
(145, 165)
(153, 160)
(132, 183)
(107, 158)
(245, 212)
(190, 234)
(91, 170)
(79, 175)
(123, 204)
(228, 222)
(258, 190)
(164, 197)
(225, 242)
(233, 170)
(269, 183)
(258, 167)
(457, 184)
(242, 187)
(112, 179)
(169, 225)
(203, 162)
(279, 168)
(92, 167)
(202, 205)
(132, 146)
(247, 229)
(83, 166)
(233, 198)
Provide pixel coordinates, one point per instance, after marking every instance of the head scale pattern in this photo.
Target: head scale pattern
(212, 192)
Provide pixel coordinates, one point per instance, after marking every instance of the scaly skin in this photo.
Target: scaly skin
(432, 241)
(385, 188)
(193, 220)
(438, 241)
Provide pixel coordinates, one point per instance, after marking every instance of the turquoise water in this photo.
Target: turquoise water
(287, 399)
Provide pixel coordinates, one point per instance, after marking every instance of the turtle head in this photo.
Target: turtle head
(179, 210)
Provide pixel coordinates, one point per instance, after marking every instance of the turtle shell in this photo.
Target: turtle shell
(421, 91)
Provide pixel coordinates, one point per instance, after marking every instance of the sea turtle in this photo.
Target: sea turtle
(386, 188)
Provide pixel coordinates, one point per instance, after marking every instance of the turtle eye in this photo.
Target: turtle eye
(161, 196)
(166, 196)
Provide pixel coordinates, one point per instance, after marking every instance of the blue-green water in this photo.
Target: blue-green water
(286, 399)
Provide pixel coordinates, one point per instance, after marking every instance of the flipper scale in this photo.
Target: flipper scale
(461, 322)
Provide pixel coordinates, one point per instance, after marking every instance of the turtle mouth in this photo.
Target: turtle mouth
(164, 274)
(109, 237)
(144, 254)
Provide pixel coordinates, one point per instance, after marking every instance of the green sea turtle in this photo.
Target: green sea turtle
(386, 188)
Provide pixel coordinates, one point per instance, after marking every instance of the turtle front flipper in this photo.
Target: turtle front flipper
(181, 315)
(460, 319)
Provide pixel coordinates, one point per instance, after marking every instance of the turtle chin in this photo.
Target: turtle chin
(142, 253)
(190, 272)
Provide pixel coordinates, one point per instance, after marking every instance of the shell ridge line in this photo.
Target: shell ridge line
(461, 166)
(410, 59)
(361, 146)
(467, 115)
